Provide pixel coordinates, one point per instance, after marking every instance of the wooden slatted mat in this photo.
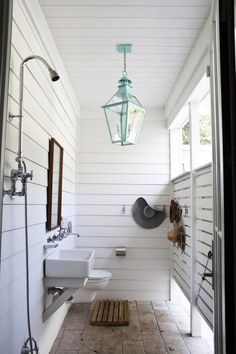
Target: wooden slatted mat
(110, 313)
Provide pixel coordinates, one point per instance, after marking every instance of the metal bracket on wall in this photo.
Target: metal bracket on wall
(70, 286)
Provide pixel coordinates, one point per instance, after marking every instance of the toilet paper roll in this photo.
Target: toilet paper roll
(121, 251)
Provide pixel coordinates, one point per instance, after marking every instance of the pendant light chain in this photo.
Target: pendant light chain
(124, 70)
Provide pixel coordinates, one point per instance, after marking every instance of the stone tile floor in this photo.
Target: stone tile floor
(155, 328)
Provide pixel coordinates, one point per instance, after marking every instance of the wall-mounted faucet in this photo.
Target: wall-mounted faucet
(52, 245)
(20, 172)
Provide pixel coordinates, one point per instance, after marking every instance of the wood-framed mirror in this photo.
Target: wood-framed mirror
(54, 185)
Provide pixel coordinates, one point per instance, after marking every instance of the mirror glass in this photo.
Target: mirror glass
(54, 185)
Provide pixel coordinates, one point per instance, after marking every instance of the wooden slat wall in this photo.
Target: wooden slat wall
(204, 220)
(163, 33)
(110, 179)
(181, 262)
(181, 265)
(48, 112)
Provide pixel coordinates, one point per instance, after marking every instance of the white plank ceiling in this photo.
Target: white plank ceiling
(162, 33)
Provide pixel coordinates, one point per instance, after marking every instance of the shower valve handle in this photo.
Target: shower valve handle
(29, 175)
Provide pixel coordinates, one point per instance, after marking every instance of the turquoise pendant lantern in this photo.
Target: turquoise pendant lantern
(124, 113)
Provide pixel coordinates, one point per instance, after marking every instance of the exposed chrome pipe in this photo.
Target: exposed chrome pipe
(54, 77)
(19, 173)
(30, 345)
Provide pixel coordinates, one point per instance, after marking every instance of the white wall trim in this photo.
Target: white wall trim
(193, 71)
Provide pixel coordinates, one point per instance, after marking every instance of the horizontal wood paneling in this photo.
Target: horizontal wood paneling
(162, 33)
(128, 2)
(47, 113)
(110, 179)
(118, 11)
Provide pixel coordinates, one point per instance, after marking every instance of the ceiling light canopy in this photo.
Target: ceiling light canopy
(124, 113)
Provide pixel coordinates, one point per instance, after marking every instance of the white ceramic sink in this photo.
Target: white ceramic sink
(69, 263)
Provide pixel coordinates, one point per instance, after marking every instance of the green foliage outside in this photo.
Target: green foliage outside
(205, 131)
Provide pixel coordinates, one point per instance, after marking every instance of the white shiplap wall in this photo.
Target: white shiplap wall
(110, 179)
(48, 112)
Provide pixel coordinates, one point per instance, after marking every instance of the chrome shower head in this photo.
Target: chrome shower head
(53, 74)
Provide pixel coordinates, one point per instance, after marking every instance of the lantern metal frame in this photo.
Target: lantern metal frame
(124, 113)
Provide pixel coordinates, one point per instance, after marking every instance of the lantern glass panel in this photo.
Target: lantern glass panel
(116, 117)
(134, 121)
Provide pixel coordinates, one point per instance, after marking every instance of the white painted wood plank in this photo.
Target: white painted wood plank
(153, 169)
(32, 40)
(94, 126)
(206, 191)
(145, 136)
(32, 150)
(134, 3)
(158, 243)
(39, 173)
(206, 285)
(124, 22)
(102, 263)
(123, 232)
(204, 214)
(184, 201)
(139, 275)
(183, 286)
(13, 216)
(121, 199)
(133, 149)
(182, 193)
(182, 257)
(68, 198)
(68, 186)
(205, 237)
(206, 226)
(134, 252)
(130, 295)
(204, 179)
(118, 11)
(32, 91)
(111, 178)
(202, 260)
(182, 270)
(36, 194)
(123, 189)
(136, 285)
(205, 203)
(160, 50)
(205, 311)
(181, 184)
(13, 240)
(107, 220)
(120, 32)
(120, 158)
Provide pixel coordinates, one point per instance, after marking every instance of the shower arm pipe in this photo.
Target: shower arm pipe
(19, 158)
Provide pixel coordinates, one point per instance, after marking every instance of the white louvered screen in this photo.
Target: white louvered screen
(181, 265)
(204, 220)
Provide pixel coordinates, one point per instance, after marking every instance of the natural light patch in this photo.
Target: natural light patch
(198, 111)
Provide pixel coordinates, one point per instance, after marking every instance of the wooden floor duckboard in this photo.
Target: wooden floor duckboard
(110, 313)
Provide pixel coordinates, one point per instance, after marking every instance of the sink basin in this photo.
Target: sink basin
(69, 263)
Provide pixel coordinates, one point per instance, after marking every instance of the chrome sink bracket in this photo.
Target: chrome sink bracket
(69, 285)
(60, 300)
